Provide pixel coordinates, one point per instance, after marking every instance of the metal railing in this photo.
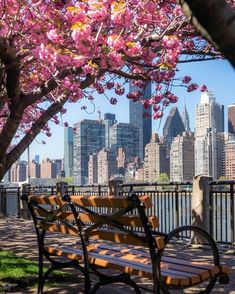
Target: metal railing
(171, 203)
(222, 212)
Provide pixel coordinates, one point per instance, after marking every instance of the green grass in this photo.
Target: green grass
(23, 273)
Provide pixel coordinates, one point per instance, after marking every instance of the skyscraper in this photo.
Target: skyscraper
(107, 165)
(156, 160)
(48, 169)
(231, 119)
(173, 125)
(229, 159)
(88, 138)
(209, 114)
(68, 151)
(182, 158)
(126, 136)
(34, 169)
(93, 169)
(19, 171)
(209, 123)
(185, 119)
(109, 120)
(139, 120)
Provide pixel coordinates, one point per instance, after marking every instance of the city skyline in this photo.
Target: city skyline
(207, 146)
(217, 75)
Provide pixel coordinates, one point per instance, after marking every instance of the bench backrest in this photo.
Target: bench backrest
(51, 213)
(119, 219)
(108, 218)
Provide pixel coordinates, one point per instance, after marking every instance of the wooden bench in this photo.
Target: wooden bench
(116, 233)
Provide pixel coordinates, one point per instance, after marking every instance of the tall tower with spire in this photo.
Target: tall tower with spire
(185, 119)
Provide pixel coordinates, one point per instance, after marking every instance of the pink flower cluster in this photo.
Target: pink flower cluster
(83, 48)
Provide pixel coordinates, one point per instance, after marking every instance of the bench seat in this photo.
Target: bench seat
(136, 261)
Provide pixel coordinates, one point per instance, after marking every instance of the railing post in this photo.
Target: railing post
(99, 190)
(232, 187)
(61, 188)
(24, 211)
(200, 205)
(3, 200)
(177, 205)
(113, 187)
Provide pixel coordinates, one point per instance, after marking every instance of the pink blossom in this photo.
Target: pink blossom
(48, 134)
(116, 60)
(54, 36)
(187, 79)
(192, 87)
(133, 49)
(146, 114)
(158, 115)
(109, 85)
(120, 91)
(113, 101)
(146, 103)
(116, 42)
(203, 88)
(156, 108)
(63, 111)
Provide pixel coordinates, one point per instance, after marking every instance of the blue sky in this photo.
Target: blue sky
(218, 76)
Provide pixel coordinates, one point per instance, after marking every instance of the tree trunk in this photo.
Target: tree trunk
(214, 20)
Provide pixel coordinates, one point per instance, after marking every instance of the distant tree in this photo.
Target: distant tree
(222, 178)
(163, 178)
(69, 180)
(54, 52)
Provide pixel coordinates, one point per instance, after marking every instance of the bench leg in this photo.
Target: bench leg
(40, 273)
(87, 283)
(122, 278)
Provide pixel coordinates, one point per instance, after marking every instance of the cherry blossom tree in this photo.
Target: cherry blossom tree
(53, 52)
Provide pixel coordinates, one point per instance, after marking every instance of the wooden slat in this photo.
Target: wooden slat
(68, 215)
(59, 228)
(137, 268)
(213, 270)
(108, 201)
(115, 236)
(203, 269)
(225, 269)
(194, 274)
(129, 220)
(74, 255)
(50, 200)
(136, 264)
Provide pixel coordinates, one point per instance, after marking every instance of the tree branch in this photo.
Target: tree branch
(14, 119)
(10, 127)
(36, 128)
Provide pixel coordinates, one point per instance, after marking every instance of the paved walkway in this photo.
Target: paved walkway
(18, 236)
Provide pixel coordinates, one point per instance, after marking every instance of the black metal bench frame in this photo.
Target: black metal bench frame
(84, 232)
